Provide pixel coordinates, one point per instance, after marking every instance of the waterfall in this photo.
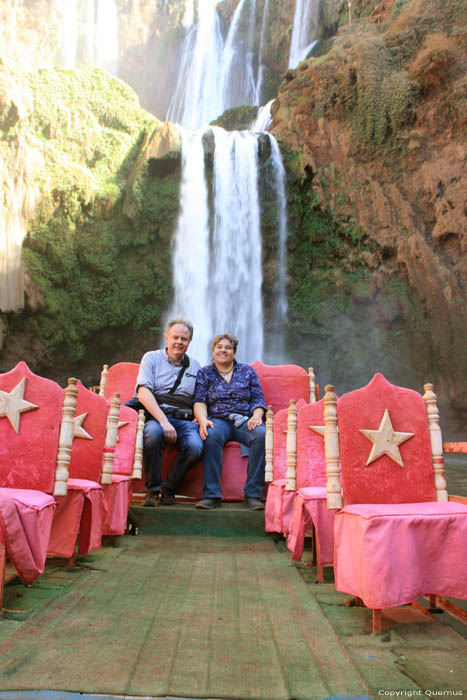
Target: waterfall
(106, 36)
(260, 75)
(68, 12)
(190, 261)
(236, 270)
(197, 99)
(276, 349)
(214, 76)
(237, 75)
(17, 200)
(189, 16)
(305, 25)
(93, 26)
(217, 255)
(263, 118)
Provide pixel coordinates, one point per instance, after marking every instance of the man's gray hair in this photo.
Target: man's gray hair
(182, 321)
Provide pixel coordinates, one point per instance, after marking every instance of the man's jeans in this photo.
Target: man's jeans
(188, 444)
(222, 432)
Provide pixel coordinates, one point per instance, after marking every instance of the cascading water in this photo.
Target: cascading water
(198, 96)
(68, 12)
(106, 33)
(237, 74)
(214, 75)
(304, 30)
(261, 68)
(217, 258)
(89, 33)
(276, 348)
(263, 118)
(236, 271)
(16, 207)
(190, 261)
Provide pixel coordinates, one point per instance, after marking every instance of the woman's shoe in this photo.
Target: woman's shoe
(253, 503)
(208, 503)
(151, 500)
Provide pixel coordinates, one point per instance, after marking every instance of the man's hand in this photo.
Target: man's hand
(170, 434)
(204, 424)
(149, 402)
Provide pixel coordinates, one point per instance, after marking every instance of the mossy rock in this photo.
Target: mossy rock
(237, 118)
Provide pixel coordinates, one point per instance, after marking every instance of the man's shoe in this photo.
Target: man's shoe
(167, 499)
(151, 500)
(208, 503)
(253, 503)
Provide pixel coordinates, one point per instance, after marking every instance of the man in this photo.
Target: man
(165, 387)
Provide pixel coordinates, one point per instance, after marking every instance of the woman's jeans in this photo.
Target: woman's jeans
(223, 432)
(188, 444)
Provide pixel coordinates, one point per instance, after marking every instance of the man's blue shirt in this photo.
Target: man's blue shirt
(241, 395)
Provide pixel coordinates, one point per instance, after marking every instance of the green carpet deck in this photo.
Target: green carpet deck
(222, 615)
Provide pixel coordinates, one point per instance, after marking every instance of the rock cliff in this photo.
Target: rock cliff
(375, 131)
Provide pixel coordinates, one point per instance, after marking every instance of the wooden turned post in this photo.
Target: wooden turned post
(111, 436)
(377, 621)
(103, 383)
(291, 448)
(65, 440)
(138, 457)
(269, 446)
(436, 443)
(312, 385)
(331, 449)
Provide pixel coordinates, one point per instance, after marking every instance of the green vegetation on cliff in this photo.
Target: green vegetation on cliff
(98, 269)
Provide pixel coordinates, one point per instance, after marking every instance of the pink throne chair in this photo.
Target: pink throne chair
(36, 434)
(397, 537)
(81, 515)
(310, 512)
(280, 429)
(280, 383)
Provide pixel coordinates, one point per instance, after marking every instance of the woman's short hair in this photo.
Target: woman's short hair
(182, 322)
(233, 340)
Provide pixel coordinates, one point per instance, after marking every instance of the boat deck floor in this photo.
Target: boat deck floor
(203, 604)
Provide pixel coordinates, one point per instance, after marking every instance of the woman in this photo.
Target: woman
(229, 405)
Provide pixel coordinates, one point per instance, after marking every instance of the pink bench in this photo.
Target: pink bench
(279, 384)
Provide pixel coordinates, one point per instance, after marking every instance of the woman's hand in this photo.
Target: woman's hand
(204, 424)
(256, 419)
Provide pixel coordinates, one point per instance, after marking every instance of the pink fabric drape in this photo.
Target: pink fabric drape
(94, 514)
(83, 510)
(279, 507)
(25, 523)
(391, 554)
(310, 508)
(118, 497)
(65, 525)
